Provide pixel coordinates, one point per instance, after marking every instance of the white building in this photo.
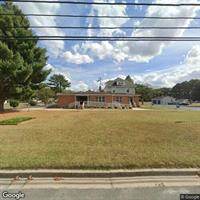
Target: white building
(120, 86)
(164, 100)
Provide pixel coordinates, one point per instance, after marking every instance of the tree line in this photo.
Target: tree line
(185, 90)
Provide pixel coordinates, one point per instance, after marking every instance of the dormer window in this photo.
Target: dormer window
(120, 83)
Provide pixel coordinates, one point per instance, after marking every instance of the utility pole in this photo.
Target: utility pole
(100, 84)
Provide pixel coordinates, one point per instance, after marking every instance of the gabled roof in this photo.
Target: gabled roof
(162, 97)
(128, 82)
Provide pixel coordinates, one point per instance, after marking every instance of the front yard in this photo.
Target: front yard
(101, 139)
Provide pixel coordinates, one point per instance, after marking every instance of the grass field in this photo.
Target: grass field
(195, 105)
(101, 139)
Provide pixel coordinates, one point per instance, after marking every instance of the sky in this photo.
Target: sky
(159, 64)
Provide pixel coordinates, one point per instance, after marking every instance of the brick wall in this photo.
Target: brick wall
(93, 98)
(65, 100)
(137, 100)
(108, 99)
(125, 100)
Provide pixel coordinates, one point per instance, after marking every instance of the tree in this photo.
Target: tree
(145, 91)
(58, 83)
(195, 94)
(44, 94)
(185, 89)
(21, 61)
(164, 91)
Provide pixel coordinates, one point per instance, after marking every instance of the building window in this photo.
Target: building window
(127, 91)
(101, 99)
(119, 99)
(118, 83)
(113, 91)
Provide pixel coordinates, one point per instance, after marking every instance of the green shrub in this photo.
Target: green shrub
(14, 103)
(33, 103)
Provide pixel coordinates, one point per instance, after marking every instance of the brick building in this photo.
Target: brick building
(118, 93)
(98, 100)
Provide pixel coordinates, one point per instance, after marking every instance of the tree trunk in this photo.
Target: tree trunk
(2, 101)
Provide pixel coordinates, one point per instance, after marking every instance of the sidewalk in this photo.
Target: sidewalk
(98, 173)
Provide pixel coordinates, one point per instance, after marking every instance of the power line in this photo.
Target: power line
(95, 38)
(117, 27)
(95, 16)
(103, 3)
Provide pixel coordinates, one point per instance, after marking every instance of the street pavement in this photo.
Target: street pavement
(135, 188)
(153, 193)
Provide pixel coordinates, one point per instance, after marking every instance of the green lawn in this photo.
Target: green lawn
(15, 121)
(195, 105)
(148, 105)
(101, 139)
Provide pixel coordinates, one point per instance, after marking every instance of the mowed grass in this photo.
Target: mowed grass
(195, 105)
(101, 139)
(15, 121)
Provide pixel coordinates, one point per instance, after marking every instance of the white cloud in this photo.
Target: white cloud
(101, 50)
(56, 70)
(80, 86)
(108, 10)
(145, 51)
(76, 58)
(193, 56)
(189, 69)
(139, 51)
(54, 47)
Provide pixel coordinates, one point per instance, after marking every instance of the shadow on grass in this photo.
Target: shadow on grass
(9, 111)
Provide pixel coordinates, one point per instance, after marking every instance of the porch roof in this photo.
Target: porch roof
(95, 94)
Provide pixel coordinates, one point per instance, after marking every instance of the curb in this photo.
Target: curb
(97, 174)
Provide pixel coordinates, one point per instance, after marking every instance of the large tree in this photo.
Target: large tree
(185, 90)
(44, 94)
(146, 92)
(58, 83)
(195, 94)
(22, 62)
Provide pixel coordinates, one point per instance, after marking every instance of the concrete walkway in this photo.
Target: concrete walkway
(91, 109)
(41, 173)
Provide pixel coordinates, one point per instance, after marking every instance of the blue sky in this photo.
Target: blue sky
(157, 63)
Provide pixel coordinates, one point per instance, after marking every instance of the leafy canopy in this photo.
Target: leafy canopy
(22, 62)
(44, 94)
(58, 83)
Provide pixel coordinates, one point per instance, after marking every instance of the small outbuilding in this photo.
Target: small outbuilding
(164, 100)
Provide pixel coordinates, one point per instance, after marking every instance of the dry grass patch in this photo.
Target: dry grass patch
(101, 139)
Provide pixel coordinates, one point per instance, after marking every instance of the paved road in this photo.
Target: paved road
(138, 188)
(154, 193)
